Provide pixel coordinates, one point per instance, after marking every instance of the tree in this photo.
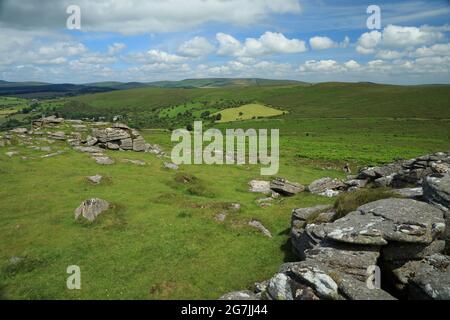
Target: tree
(219, 117)
(189, 127)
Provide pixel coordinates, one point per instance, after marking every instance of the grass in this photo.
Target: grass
(248, 111)
(350, 201)
(161, 239)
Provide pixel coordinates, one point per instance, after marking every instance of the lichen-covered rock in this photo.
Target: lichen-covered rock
(239, 295)
(285, 187)
(425, 279)
(376, 223)
(437, 190)
(258, 225)
(91, 208)
(259, 186)
(322, 185)
(280, 287)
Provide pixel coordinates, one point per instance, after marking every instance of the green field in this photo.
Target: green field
(246, 112)
(161, 239)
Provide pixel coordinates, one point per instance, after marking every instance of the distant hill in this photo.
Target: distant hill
(49, 90)
(223, 82)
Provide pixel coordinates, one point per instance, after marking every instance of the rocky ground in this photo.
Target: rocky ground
(407, 238)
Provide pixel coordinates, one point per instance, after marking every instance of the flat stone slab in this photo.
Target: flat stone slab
(400, 220)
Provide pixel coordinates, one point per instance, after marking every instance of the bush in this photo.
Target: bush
(350, 201)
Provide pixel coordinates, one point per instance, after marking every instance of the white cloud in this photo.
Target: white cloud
(196, 47)
(322, 66)
(268, 43)
(399, 37)
(434, 50)
(321, 43)
(138, 17)
(368, 41)
(116, 48)
(389, 54)
(352, 65)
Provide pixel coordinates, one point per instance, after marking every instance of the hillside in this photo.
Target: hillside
(325, 100)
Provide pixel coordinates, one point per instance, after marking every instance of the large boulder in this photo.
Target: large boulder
(91, 208)
(400, 220)
(110, 134)
(285, 187)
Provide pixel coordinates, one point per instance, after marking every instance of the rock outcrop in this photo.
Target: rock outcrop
(285, 187)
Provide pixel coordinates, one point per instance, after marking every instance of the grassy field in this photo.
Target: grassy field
(161, 240)
(246, 112)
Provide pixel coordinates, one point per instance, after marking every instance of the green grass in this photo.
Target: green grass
(160, 239)
(248, 111)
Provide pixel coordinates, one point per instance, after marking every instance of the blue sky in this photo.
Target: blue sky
(154, 40)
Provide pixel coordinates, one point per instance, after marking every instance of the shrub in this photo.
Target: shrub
(350, 201)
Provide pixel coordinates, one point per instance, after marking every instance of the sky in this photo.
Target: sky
(152, 40)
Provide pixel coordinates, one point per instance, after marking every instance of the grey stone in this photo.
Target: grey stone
(285, 187)
(437, 190)
(170, 166)
(126, 144)
(324, 184)
(91, 208)
(239, 295)
(259, 186)
(19, 130)
(89, 149)
(95, 179)
(104, 160)
(280, 287)
(397, 251)
(258, 225)
(411, 193)
(139, 144)
(136, 162)
(112, 146)
(110, 134)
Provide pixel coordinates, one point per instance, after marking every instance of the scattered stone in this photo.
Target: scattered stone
(329, 193)
(259, 186)
(285, 187)
(91, 208)
(221, 217)
(12, 153)
(58, 135)
(258, 225)
(136, 162)
(89, 149)
(280, 287)
(95, 179)
(321, 186)
(19, 130)
(171, 166)
(104, 160)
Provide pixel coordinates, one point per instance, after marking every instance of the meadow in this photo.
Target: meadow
(161, 238)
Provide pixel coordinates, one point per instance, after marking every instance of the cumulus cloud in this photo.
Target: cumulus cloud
(399, 37)
(116, 48)
(196, 47)
(268, 43)
(321, 43)
(136, 16)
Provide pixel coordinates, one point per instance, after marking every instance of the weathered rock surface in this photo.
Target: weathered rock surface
(259, 186)
(437, 190)
(322, 185)
(258, 225)
(239, 295)
(91, 208)
(170, 166)
(285, 187)
(104, 160)
(425, 279)
(95, 179)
